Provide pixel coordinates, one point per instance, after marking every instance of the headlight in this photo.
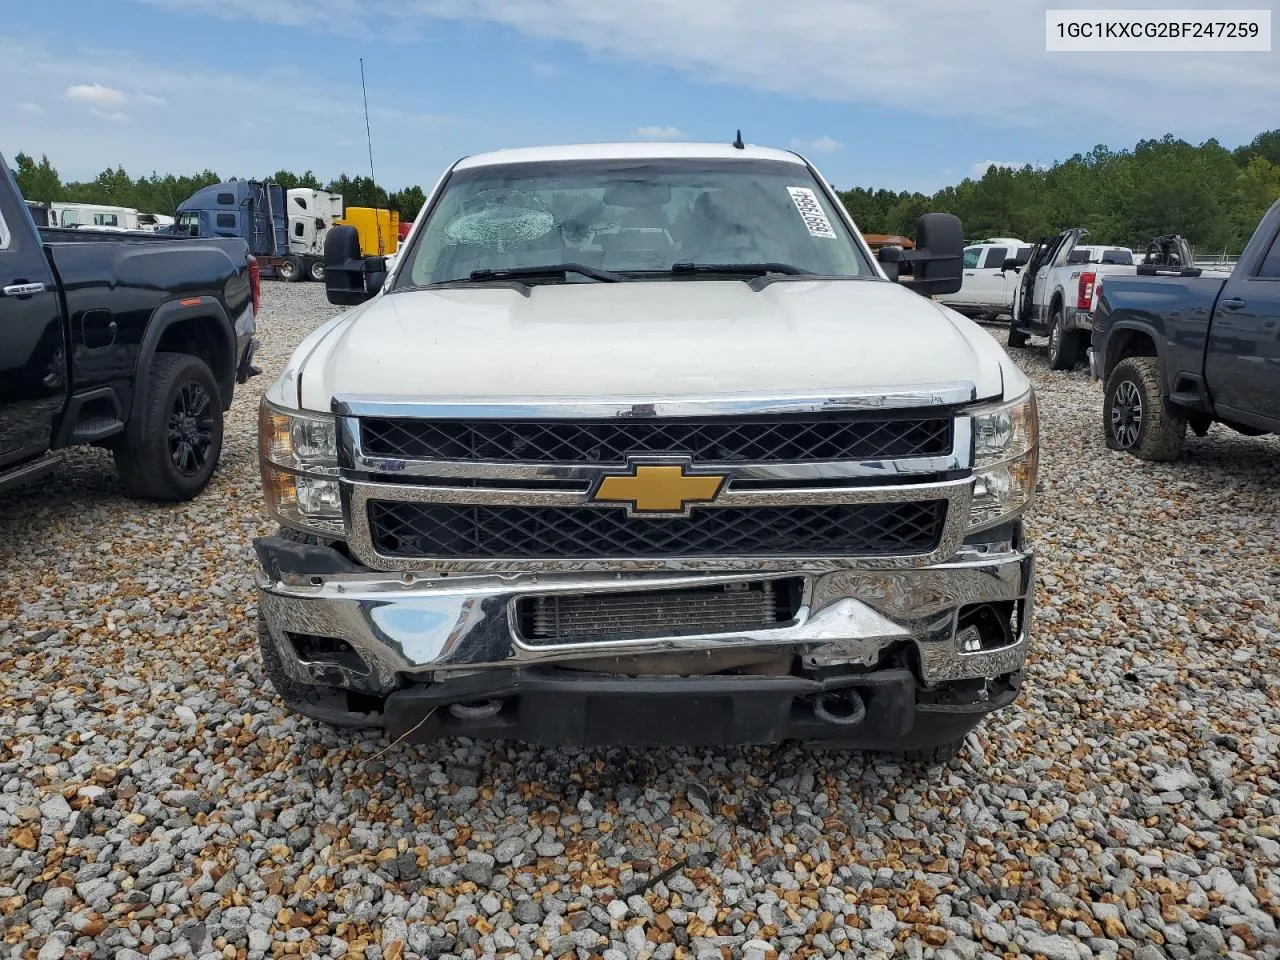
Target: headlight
(1005, 454)
(299, 457)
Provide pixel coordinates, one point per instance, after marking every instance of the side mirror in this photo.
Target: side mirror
(344, 268)
(1010, 263)
(890, 259)
(937, 260)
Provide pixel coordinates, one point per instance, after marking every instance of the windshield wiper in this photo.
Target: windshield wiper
(754, 269)
(550, 270)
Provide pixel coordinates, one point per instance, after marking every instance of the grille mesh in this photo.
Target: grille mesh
(653, 613)
(442, 531)
(714, 440)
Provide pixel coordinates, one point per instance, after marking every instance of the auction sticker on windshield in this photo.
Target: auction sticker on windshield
(811, 213)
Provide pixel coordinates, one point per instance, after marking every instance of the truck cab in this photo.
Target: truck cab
(311, 214)
(988, 281)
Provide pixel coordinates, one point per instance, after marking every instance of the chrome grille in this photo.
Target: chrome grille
(407, 529)
(774, 439)
(722, 608)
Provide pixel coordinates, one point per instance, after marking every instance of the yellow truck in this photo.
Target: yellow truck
(379, 229)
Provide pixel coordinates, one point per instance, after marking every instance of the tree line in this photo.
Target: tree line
(1212, 196)
(39, 180)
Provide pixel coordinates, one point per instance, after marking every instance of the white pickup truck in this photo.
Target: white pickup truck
(639, 443)
(988, 284)
(1057, 293)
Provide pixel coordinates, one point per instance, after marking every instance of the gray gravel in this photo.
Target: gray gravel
(155, 801)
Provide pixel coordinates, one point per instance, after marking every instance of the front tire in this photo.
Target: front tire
(1064, 344)
(316, 271)
(180, 449)
(1134, 414)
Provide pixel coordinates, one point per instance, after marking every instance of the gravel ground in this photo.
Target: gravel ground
(155, 800)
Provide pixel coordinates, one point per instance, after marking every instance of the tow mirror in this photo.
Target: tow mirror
(346, 274)
(1010, 263)
(937, 261)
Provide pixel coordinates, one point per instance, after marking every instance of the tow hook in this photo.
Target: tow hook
(843, 709)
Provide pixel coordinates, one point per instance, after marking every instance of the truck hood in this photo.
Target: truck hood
(643, 339)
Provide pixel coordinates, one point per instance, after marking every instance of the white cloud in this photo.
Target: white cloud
(152, 99)
(95, 93)
(307, 110)
(851, 51)
(30, 107)
(657, 133)
(819, 145)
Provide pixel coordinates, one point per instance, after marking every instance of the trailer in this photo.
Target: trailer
(379, 229)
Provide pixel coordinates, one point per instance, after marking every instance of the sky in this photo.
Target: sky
(912, 95)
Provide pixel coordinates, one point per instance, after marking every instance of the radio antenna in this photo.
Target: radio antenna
(368, 134)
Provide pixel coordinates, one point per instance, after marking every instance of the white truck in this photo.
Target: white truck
(1057, 293)
(639, 443)
(311, 214)
(97, 216)
(987, 285)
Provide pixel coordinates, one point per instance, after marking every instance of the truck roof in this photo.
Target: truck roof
(627, 151)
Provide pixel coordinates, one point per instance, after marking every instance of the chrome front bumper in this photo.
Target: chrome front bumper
(411, 627)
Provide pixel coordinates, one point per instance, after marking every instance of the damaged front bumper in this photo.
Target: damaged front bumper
(885, 659)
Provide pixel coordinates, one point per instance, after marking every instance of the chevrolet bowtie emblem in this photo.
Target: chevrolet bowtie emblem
(658, 489)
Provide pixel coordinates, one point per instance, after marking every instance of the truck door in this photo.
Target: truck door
(990, 279)
(1242, 365)
(968, 281)
(33, 358)
(1023, 304)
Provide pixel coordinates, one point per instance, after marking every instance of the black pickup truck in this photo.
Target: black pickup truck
(119, 340)
(1177, 348)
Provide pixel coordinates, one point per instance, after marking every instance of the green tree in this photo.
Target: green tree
(38, 181)
(408, 202)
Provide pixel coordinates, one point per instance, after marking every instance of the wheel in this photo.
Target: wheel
(289, 270)
(1134, 414)
(176, 457)
(1016, 337)
(1064, 345)
(316, 271)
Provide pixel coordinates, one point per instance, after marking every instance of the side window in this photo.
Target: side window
(70, 218)
(995, 257)
(105, 220)
(227, 220)
(299, 229)
(4, 234)
(300, 202)
(971, 255)
(227, 199)
(1269, 268)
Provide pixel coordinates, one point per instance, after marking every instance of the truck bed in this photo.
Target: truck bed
(1177, 309)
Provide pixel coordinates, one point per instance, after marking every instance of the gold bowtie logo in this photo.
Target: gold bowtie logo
(658, 489)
